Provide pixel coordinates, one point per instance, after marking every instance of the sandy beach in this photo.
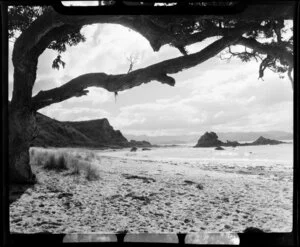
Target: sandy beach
(140, 195)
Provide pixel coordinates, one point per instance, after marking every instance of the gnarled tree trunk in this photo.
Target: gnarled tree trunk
(22, 122)
(21, 130)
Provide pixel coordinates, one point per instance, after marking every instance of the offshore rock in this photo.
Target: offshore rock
(209, 139)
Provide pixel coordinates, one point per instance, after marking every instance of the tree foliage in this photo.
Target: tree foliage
(266, 38)
(21, 17)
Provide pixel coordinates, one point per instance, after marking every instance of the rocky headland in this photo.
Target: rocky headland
(96, 133)
(210, 139)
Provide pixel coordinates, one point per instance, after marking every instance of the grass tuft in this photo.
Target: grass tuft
(90, 156)
(57, 164)
(75, 171)
(75, 164)
(91, 173)
(62, 163)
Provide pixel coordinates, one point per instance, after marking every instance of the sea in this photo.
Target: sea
(187, 152)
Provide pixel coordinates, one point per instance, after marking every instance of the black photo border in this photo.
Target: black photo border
(246, 239)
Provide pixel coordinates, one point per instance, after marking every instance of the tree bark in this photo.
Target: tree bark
(21, 129)
(22, 122)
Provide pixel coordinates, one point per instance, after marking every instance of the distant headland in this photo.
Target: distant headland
(210, 139)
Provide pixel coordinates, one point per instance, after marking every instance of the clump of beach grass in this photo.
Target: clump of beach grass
(32, 151)
(56, 163)
(90, 156)
(75, 166)
(38, 158)
(59, 162)
(78, 156)
(91, 173)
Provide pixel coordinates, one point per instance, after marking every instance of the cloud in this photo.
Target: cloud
(219, 114)
(95, 98)
(106, 49)
(235, 102)
(153, 116)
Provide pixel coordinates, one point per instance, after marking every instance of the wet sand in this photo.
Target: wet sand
(158, 196)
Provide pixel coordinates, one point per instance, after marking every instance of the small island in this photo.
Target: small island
(210, 139)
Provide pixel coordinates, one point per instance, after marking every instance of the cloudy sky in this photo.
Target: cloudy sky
(216, 95)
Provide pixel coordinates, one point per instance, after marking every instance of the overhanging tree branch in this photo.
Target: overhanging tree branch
(155, 29)
(212, 31)
(157, 35)
(113, 83)
(271, 49)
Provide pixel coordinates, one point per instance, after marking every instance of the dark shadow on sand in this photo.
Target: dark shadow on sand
(17, 190)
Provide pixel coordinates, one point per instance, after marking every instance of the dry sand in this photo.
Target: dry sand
(165, 196)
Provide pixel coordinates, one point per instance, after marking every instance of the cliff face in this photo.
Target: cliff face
(57, 134)
(211, 140)
(100, 132)
(94, 133)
